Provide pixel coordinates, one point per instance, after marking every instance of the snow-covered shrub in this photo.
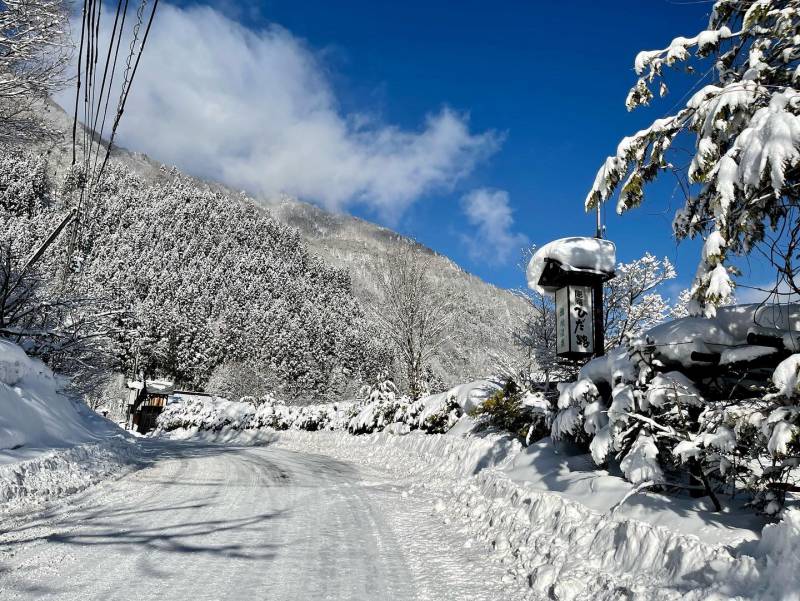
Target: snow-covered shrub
(216, 414)
(434, 414)
(525, 414)
(623, 409)
(381, 405)
(639, 406)
(206, 414)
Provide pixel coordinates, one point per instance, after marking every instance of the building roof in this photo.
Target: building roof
(153, 386)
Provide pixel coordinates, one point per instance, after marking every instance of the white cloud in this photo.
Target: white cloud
(493, 240)
(255, 109)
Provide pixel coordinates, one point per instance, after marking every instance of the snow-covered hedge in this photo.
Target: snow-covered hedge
(218, 414)
(382, 408)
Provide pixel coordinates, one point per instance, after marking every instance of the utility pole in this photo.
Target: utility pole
(597, 304)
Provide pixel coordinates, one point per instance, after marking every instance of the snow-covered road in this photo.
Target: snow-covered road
(208, 522)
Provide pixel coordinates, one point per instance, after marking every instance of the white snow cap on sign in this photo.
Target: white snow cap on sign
(593, 254)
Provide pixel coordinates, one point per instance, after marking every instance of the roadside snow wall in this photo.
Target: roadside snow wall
(50, 445)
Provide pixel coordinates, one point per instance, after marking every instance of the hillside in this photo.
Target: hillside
(361, 248)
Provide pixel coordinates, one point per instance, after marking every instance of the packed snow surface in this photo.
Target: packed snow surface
(212, 522)
(556, 523)
(592, 254)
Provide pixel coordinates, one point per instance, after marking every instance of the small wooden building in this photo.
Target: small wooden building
(146, 400)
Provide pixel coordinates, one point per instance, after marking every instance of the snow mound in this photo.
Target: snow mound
(59, 472)
(780, 548)
(725, 334)
(50, 445)
(785, 376)
(33, 413)
(577, 253)
(471, 395)
(675, 341)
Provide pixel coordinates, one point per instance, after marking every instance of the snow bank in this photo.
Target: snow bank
(552, 520)
(50, 445)
(51, 474)
(34, 414)
(577, 253)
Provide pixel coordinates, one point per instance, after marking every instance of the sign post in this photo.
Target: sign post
(579, 308)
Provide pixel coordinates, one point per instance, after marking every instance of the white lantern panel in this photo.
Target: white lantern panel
(574, 320)
(562, 320)
(581, 319)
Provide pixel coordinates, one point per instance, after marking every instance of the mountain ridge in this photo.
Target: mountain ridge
(357, 245)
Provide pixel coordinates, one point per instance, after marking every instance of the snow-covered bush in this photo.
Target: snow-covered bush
(382, 405)
(216, 414)
(435, 413)
(525, 414)
(682, 406)
(206, 414)
(380, 408)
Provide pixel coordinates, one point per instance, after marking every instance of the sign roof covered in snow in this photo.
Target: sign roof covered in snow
(594, 257)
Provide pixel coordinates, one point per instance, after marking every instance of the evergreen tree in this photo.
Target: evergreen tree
(741, 185)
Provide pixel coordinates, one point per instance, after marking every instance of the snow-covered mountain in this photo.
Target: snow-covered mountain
(361, 247)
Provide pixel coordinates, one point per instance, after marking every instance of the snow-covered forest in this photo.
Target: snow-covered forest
(265, 397)
(173, 279)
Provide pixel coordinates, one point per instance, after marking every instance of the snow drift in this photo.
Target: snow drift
(50, 445)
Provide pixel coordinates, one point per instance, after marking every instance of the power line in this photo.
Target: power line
(96, 102)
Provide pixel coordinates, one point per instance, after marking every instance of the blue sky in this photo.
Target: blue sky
(517, 102)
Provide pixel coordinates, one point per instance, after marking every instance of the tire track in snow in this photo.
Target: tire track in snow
(208, 522)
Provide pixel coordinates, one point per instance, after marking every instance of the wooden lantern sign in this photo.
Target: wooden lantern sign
(574, 270)
(574, 321)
